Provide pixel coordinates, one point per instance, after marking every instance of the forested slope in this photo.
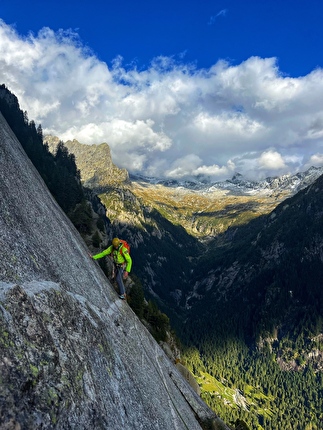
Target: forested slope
(256, 316)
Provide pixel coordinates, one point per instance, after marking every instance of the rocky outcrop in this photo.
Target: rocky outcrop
(72, 354)
(95, 163)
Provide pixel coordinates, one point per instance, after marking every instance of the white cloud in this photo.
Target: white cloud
(315, 160)
(271, 160)
(216, 171)
(184, 166)
(171, 118)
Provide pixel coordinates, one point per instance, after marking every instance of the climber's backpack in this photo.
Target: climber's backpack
(126, 245)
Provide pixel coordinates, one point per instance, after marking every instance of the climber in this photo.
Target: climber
(122, 261)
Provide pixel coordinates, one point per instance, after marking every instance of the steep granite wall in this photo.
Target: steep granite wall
(72, 355)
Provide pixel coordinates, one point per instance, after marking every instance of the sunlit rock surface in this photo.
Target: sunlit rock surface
(72, 354)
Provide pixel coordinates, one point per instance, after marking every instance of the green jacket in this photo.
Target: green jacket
(120, 256)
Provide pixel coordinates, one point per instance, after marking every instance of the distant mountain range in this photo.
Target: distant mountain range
(240, 186)
(203, 209)
(98, 169)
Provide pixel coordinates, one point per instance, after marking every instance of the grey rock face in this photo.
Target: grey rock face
(72, 355)
(95, 163)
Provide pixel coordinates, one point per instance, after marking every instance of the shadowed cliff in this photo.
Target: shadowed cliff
(72, 354)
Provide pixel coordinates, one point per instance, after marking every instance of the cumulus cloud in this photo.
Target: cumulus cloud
(315, 160)
(271, 160)
(170, 119)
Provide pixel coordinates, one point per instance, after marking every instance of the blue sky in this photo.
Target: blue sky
(200, 31)
(177, 88)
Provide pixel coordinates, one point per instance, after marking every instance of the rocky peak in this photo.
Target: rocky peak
(95, 163)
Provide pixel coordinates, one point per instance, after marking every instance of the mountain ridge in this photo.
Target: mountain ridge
(94, 161)
(240, 185)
